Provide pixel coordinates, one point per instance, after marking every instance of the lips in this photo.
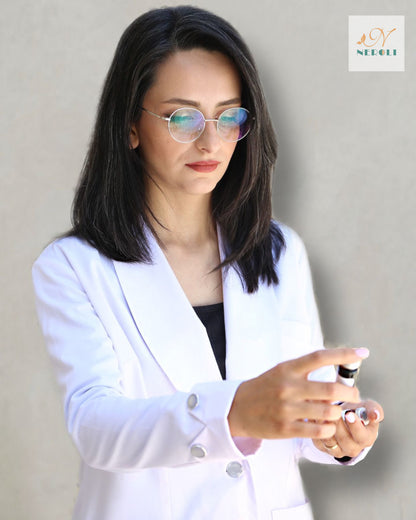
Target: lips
(204, 166)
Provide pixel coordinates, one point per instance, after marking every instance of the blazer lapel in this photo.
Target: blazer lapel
(252, 327)
(166, 320)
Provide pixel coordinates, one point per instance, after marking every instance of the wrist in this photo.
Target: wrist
(235, 421)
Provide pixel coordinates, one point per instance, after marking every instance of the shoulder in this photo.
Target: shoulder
(66, 247)
(293, 244)
(70, 267)
(67, 253)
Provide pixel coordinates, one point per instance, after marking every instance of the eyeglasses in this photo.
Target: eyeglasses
(187, 124)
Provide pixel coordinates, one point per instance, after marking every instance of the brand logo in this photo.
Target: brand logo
(376, 43)
(376, 36)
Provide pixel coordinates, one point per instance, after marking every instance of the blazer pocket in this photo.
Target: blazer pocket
(302, 512)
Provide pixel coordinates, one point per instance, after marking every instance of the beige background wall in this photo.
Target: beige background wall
(346, 183)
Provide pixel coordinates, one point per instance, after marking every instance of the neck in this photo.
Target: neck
(183, 221)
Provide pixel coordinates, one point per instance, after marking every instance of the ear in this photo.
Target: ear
(134, 138)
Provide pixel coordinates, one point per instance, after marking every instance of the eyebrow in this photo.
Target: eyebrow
(189, 102)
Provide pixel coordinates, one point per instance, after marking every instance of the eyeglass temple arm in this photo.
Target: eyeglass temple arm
(156, 115)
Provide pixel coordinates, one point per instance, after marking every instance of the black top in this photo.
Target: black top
(212, 317)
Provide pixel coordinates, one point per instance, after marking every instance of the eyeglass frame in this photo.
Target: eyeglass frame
(168, 119)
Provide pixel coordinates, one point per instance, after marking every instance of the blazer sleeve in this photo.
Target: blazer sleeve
(112, 431)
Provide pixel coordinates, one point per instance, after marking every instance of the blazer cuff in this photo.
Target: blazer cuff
(211, 403)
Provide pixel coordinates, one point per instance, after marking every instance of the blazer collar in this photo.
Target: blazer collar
(173, 332)
(166, 320)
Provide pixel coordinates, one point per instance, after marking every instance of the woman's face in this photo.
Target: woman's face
(196, 78)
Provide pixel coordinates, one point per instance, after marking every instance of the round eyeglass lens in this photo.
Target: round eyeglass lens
(186, 124)
(234, 124)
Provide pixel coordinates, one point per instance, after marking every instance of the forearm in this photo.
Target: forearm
(120, 434)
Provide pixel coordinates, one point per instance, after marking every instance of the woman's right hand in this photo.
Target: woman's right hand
(282, 403)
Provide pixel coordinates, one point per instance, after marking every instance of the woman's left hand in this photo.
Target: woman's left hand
(351, 435)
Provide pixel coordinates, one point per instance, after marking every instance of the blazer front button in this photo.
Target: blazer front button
(234, 469)
(198, 451)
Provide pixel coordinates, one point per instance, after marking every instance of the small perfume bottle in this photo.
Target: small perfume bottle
(348, 374)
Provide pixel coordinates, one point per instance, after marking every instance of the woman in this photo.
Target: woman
(181, 320)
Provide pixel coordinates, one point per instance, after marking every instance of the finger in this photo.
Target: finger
(332, 447)
(346, 443)
(344, 438)
(361, 435)
(326, 357)
(330, 392)
(317, 411)
(374, 411)
(312, 430)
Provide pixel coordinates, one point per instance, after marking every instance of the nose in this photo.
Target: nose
(209, 140)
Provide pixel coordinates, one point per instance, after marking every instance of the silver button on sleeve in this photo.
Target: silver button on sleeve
(192, 401)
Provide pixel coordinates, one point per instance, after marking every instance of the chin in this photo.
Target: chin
(202, 187)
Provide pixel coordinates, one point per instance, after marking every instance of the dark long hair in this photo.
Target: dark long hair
(110, 209)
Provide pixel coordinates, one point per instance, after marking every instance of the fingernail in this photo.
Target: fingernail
(362, 352)
(377, 413)
(350, 417)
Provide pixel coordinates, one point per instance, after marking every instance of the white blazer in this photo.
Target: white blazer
(143, 396)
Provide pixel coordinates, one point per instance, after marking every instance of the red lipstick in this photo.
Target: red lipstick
(204, 166)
